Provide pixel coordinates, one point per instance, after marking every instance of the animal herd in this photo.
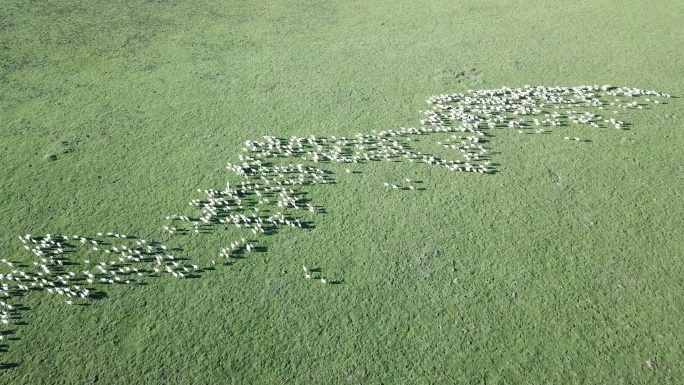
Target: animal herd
(265, 191)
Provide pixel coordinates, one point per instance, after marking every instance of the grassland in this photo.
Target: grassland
(563, 267)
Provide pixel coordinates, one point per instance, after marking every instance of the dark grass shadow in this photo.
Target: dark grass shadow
(192, 276)
(271, 230)
(8, 365)
(66, 262)
(308, 226)
(98, 295)
(20, 264)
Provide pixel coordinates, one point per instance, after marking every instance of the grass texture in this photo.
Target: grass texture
(563, 266)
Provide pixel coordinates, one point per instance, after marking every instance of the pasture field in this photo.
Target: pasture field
(563, 264)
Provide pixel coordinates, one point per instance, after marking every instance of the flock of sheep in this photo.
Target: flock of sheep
(266, 194)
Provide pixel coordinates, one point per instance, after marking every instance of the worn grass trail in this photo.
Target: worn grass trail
(564, 266)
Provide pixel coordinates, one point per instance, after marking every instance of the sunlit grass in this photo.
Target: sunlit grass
(564, 266)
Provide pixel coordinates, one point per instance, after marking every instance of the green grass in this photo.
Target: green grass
(113, 113)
